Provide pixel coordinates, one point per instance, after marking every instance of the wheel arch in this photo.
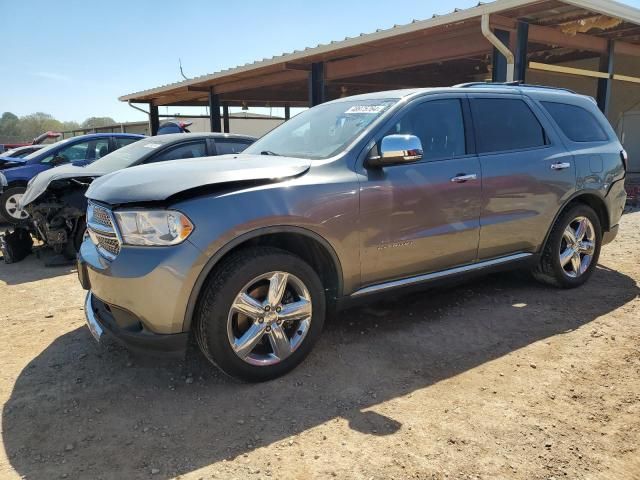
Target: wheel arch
(593, 200)
(308, 245)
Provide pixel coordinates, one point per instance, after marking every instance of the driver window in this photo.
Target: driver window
(68, 154)
(439, 124)
(98, 149)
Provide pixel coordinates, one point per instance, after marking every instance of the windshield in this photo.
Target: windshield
(43, 151)
(323, 131)
(126, 156)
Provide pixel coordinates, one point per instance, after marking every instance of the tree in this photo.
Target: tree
(9, 129)
(93, 122)
(67, 126)
(33, 125)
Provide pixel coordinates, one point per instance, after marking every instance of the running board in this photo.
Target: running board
(381, 287)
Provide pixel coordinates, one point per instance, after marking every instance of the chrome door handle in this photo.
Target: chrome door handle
(463, 178)
(560, 166)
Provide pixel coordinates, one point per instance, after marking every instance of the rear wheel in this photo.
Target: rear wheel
(9, 208)
(260, 313)
(572, 249)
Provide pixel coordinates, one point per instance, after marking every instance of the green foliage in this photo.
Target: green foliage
(14, 129)
(9, 127)
(93, 122)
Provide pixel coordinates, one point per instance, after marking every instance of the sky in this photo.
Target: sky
(73, 59)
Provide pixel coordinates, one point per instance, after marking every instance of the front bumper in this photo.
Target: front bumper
(101, 318)
(147, 288)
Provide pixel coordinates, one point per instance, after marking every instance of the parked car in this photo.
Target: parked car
(55, 201)
(20, 152)
(349, 200)
(174, 126)
(81, 150)
(39, 140)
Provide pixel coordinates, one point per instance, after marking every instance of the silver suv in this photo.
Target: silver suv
(348, 200)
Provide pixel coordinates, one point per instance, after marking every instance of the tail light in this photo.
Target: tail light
(625, 158)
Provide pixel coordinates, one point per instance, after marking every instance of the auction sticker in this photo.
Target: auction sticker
(366, 109)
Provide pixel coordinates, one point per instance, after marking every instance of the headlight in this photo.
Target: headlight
(3, 180)
(153, 227)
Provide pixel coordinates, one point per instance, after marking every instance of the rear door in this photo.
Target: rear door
(422, 217)
(527, 173)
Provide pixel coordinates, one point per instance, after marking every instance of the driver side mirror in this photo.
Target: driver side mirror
(395, 150)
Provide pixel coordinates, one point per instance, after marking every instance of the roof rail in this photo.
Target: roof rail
(509, 84)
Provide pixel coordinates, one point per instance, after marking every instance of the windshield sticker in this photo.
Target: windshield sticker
(366, 109)
(152, 145)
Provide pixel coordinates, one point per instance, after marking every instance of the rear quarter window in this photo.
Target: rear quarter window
(577, 123)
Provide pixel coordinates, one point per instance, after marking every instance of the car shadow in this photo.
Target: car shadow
(87, 411)
(31, 268)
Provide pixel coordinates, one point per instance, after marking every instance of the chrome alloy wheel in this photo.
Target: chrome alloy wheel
(13, 209)
(577, 247)
(269, 318)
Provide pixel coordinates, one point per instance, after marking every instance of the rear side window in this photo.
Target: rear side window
(577, 123)
(124, 141)
(190, 150)
(504, 124)
(225, 146)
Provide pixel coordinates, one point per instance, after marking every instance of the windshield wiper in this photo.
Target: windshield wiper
(269, 152)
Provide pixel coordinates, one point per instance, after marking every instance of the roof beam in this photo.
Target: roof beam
(297, 66)
(554, 36)
(624, 48)
(391, 59)
(287, 76)
(192, 88)
(180, 96)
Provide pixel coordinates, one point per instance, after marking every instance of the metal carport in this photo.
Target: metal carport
(594, 44)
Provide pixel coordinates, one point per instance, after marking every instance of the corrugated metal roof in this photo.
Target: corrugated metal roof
(606, 7)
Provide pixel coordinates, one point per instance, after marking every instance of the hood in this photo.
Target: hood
(158, 182)
(10, 162)
(39, 184)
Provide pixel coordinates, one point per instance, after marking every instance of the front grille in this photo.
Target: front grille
(111, 245)
(101, 216)
(102, 231)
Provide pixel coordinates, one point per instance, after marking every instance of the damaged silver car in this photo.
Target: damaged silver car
(55, 201)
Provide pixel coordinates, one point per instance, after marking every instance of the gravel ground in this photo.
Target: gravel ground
(496, 378)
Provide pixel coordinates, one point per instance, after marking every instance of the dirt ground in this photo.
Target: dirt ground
(497, 378)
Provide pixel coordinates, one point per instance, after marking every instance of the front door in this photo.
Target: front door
(423, 216)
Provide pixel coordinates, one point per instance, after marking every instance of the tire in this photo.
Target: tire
(76, 237)
(550, 270)
(8, 209)
(218, 325)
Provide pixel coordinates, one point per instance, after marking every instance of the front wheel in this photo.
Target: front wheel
(260, 313)
(572, 249)
(9, 208)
